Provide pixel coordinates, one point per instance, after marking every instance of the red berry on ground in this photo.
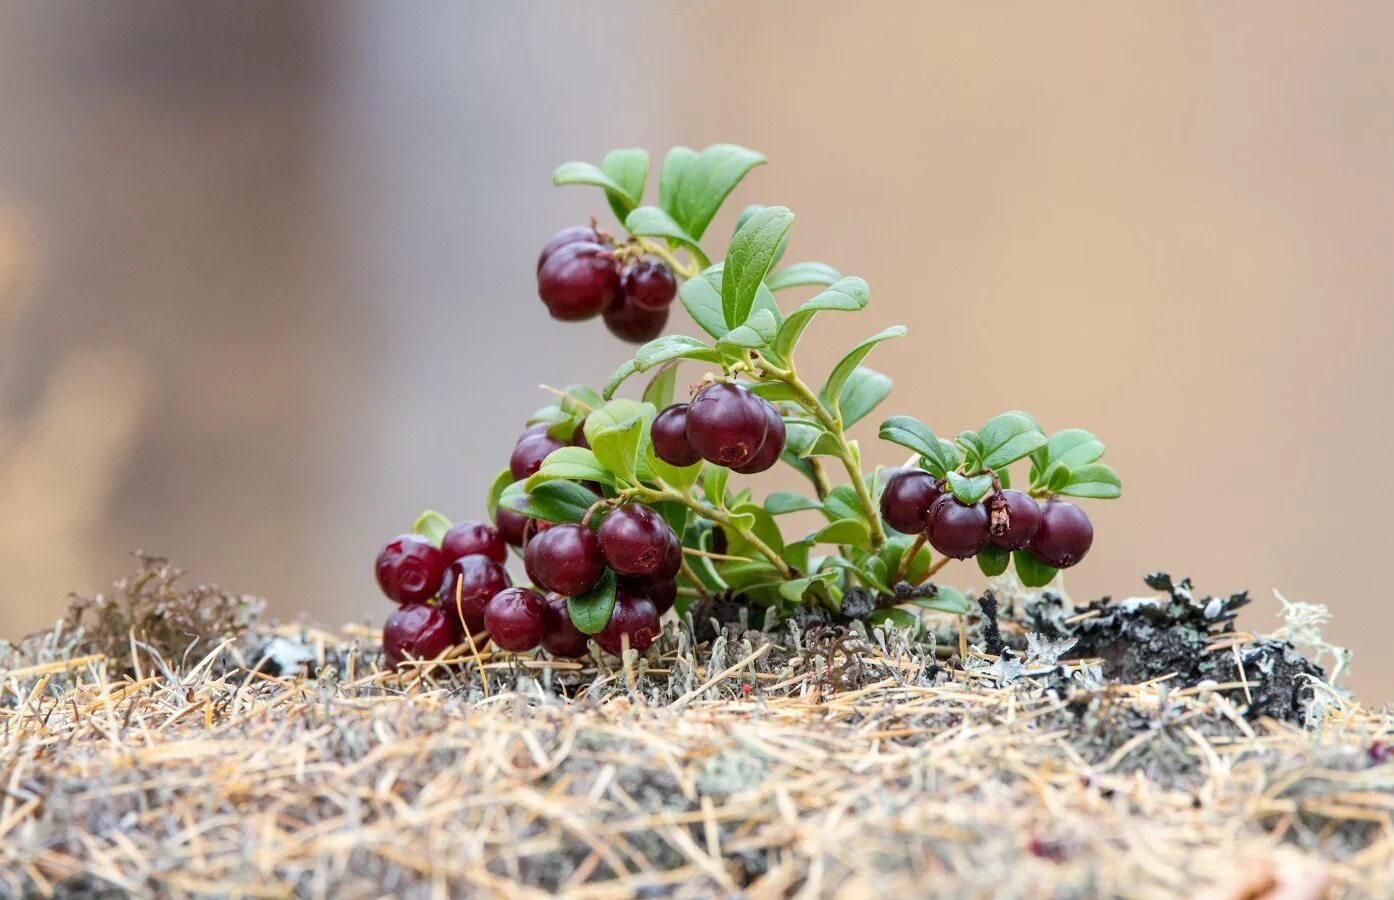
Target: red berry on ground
(565, 559)
(579, 281)
(517, 619)
(530, 450)
(1012, 523)
(726, 424)
(417, 631)
(957, 530)
(469, 538)
(906, 499)
(511, 525)
(470, 582)
(410, 568)
(631, 322)
(1065, 535)
(669, 434)
(769, 451)
(563, 638)
(649, 284)
(572, 235)
(635, 540)
(635, 616)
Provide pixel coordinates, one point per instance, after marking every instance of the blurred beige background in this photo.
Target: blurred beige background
(280, 294)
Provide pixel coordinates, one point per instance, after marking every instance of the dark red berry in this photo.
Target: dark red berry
(469, 538)
(726, 424)
(573, 235)
(517, 619)
(578, 437)
(957, 530)
(563, 638)
(906, 499)
(649, 284)
(663, 594)
(672, 560)
(512, 526)
(631, 322)
(769, 451)
(669, 433)
(579, 281)
(417, 631)
(635, 540)
(1013, 518)
(410, 568)
(635, 616)
(470, 582)
(532, 448)
(1065, 534)
(565, 559)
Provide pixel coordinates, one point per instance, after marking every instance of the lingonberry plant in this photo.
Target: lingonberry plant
(625, 508)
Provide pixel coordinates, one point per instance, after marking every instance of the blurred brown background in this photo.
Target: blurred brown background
(276, 264)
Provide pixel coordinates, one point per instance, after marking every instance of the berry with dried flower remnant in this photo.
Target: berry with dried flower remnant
(410, 568)
(417, 631)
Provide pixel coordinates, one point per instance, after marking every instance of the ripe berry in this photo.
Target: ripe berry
(636, 616)
(511, 525)
(417, 631)
(669, 434)
(649, 284)
(409, 568)
(663, 594)
(1013, 523)
(769, 451)
(672, 560)
(578, 437)
(572, 235)
(957, 530)
(635, 540)
(906, 500)
(517, 619)
(563, 638)
(578, 281)
(468, 538)
(565, 559)
(470, 582)
(631, 322)
(532, 448)
(726, 424)
(1065, 534)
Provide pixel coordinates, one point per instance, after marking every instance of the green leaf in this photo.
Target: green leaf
(831, 394)
(782, 502)
(629, 169)
(863, 392)
(746, 215)
(671, 347)
(1032, 572)
(969, 489)
(702, 298)
(432, 526)
(886, 619)
(795, 590)
(1058, 477)
(714, 484)
(661, 387)
(844, 295)
(937, 456)
(680, 477)
(849, 532)
(757, 332)
(993, 560)
(590, 612)
(572, 464)
(619, 377)
(1072, 447)
(650, 221)
(748, 260)
(491, 503)
(585, 173)
(614, 432)
(893, 554)
(1094, 480)
(804, 439)
(864, 573)
(694, 185)
(947, 600)
(842, 503)
(759, 523)
(745, 575)
(801, 274)
(553, 501)
(774, 391)
(1008, 438)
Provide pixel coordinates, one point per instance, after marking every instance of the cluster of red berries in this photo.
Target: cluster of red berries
(724, 424)
(580, 276)
(1056, 532)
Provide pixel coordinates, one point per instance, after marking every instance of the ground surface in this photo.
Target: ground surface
(821, 765)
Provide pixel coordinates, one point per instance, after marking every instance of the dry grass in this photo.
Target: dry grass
(679, 774)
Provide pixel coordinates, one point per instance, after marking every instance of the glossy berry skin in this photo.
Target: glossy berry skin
(906, 499)
(769, 451)
(635, 540)
(532, 448)
(512, 526)
(417, 631)
(565, 559)
(726, 424)
(669, 433)
(1065, 534)
(572, 235)
(410, 568)
(663, 594)
(563, 639)
(469, 538)
(470, 583)
(578, 437)
(672, 560)
(517, 619)
(1023, 518)
(631, 322)
(579, 281)
(957, 530)
(636, 616)
(649, 284)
